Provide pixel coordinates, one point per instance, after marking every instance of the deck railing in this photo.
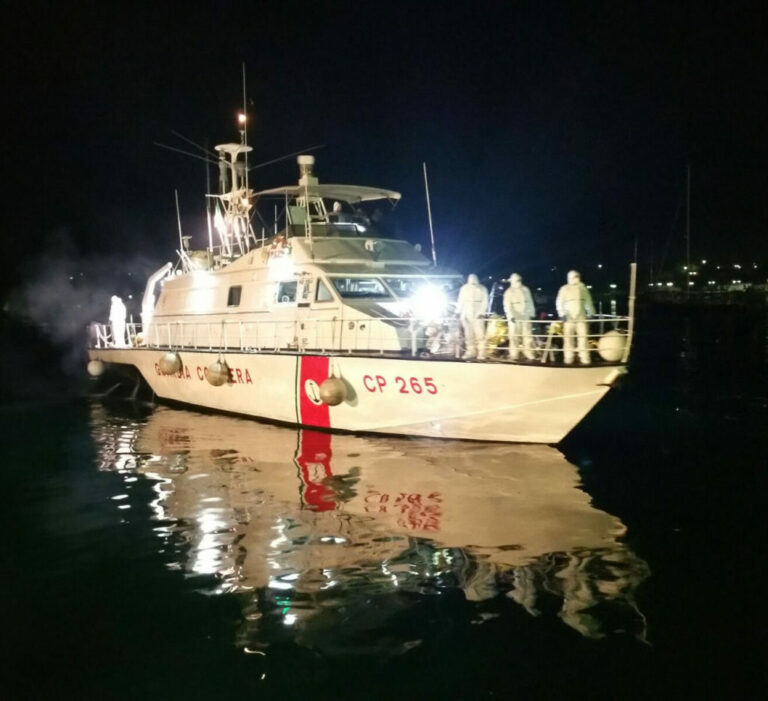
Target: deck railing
(548, 341)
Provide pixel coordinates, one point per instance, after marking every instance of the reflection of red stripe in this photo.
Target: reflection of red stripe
(312, 367)
(314, 460)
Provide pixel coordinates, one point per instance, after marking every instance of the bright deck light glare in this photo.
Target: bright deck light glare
(241, 118)
(429, 302)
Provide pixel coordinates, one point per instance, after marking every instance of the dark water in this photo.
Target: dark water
(165, 554)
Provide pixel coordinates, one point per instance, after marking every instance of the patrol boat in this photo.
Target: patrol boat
(331, 323)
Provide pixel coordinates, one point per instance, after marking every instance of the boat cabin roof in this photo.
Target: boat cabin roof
(386, 270)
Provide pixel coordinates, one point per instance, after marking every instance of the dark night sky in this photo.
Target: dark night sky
(555, 132)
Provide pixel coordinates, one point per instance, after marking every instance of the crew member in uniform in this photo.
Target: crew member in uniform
(574, 306)
(471, 308)
(519, 310)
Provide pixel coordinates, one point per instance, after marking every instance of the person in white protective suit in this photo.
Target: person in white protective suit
(574, 306)
(117, 314)
(471, 307)
(519, 310)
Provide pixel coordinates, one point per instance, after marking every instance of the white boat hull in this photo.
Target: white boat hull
(490, 401)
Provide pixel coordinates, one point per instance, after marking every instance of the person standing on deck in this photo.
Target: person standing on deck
(471, 307)
(574, 307)
(117, 314)
(519, 310)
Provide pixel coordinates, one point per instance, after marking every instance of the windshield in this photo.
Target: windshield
(360, 288)
(407, 286)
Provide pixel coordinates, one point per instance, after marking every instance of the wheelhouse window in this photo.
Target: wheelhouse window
(323, 294)
(233, 296)
(407, 286)
(360, 288)
(403, 286)
(286, 292)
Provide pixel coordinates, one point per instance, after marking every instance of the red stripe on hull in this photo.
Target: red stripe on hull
(313, 370)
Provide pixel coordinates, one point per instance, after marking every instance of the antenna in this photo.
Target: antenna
(208, 205)
(244, 131)
(204, 149)
(288, 155)
(429, 214)
(185, 153)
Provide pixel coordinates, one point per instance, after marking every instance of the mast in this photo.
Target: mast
(429, 214)
(182, 248)
(208, 205)
(243, 119)
(688, 220)
(306, 178)
(234, 226)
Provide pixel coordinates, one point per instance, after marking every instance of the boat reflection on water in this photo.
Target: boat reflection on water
(329, 539)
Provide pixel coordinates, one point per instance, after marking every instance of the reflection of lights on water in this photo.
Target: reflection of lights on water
(290, 619)
(277, 584)
(178, 465)
(208, 551)
(157, 504)
(248, 651)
